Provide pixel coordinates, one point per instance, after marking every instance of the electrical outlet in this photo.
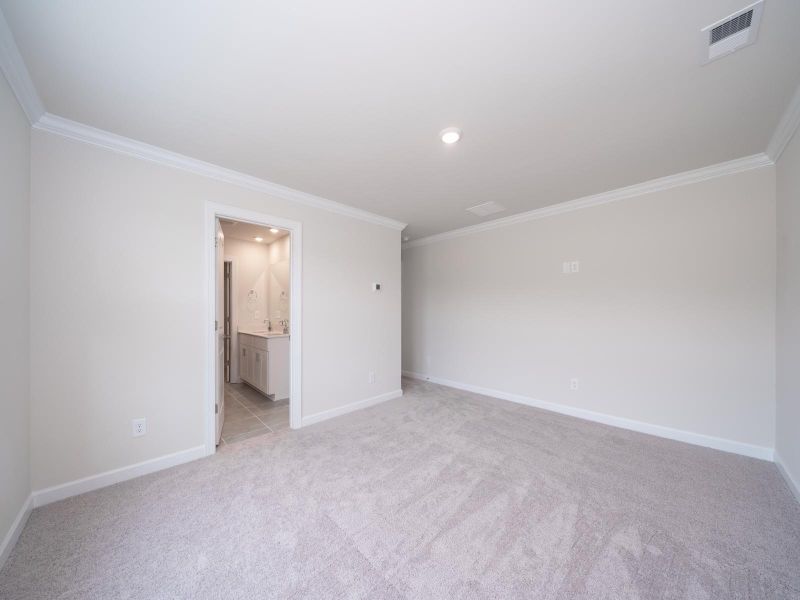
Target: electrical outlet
(139, 427)
(573, 383)
(574, 266)
(372, 376)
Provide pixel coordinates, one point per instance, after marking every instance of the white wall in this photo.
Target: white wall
(14, 306)
(122, 240)
(280, 292)
(787, 443)
(671, 320)
(251, 264)
(250, 272)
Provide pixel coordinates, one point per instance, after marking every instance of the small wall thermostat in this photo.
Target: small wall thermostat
(376, 287)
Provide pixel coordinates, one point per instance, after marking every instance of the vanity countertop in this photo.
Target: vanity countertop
(263, 333)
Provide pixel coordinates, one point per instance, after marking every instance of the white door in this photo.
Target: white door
(219, 255)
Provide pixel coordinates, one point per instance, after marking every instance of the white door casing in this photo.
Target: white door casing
(213, 211)
(219, 314)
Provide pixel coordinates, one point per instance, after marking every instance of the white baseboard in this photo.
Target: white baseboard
(348, 408)
(794, 486)
(16, 529)
(689, 437)
(94, 482)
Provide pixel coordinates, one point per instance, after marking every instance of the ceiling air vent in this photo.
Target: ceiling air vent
(486, 209)
(731, 33)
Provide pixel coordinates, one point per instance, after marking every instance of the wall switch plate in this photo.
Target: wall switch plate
(565, 268)
(139, 427)
(376, 287)
(372, 376)
(574, 266)
(573, 383)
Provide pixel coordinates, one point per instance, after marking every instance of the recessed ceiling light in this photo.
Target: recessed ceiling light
(273, 230)
(450, 135)
(258, 239)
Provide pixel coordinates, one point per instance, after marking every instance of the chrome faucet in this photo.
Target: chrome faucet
(285, 324)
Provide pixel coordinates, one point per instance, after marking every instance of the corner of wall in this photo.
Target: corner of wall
(787, 301)
(15, 403)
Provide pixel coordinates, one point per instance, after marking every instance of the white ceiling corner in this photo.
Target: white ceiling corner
(787, 127)
(359, 130)
(17, 75)
(656, 185)
(117, 143)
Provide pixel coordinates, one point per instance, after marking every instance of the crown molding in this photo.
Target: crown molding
(13, 66)
(16, 73)
(117, 143)
(654, 185)
(786, 128)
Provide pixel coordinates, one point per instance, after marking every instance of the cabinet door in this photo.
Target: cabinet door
(278, 368)
(252, 374)
(260, 370)
(265, 389)
(244, 358)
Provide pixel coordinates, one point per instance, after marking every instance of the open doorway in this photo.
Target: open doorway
(254, 349)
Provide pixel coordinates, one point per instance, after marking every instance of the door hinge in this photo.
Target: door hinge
(216, 409)
(216, 325)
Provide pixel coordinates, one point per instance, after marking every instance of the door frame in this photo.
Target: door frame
(214, 210)
(234, 323)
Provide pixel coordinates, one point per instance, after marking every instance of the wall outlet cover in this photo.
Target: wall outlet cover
(139, 427)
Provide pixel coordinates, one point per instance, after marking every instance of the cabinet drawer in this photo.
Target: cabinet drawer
(255, 341)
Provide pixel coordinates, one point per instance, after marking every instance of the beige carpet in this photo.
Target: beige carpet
(440, 494)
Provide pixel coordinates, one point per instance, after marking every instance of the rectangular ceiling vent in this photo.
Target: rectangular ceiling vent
(486, 209)
(731, 33)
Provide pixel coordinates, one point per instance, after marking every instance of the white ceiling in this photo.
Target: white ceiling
(247, 232)
(344, 100)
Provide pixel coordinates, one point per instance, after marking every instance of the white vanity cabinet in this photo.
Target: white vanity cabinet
(264, 363)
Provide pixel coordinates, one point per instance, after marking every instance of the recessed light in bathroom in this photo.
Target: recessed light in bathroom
(450, 135)
(273, 230)
(258, 239)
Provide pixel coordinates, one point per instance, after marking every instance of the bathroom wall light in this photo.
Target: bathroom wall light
(450, 135)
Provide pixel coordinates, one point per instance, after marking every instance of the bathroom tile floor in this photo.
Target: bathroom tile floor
(249, 413)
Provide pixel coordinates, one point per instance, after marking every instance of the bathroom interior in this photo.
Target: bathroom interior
(256, 330)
